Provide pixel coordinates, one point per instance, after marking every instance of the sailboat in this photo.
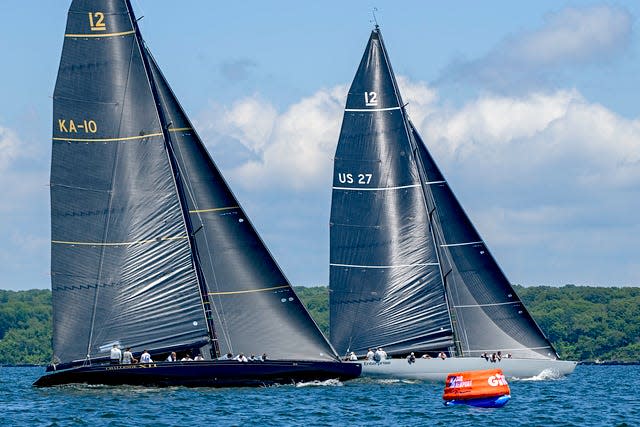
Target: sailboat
(150, 248)
(409, 273)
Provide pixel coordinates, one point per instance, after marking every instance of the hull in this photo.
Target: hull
(437, 369)
(203, 373)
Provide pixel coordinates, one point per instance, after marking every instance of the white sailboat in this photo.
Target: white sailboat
(408, 270)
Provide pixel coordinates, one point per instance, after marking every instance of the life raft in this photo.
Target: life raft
(486, 389)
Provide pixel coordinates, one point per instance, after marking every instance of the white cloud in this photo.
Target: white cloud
(573, 35)
(570, 37)
(293, 149)
(542, 134)
(9, 147)
(547, 176)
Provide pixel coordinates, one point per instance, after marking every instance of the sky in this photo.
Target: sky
(529, 108)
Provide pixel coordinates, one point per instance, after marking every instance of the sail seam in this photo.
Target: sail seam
(435, 182)
(214, 209)
(461, 244)
(137, 242)
(377, 189)
(123, 33)
(386, 266)
(364, 110)
(487, 305)
(126, 138)
(249, 291)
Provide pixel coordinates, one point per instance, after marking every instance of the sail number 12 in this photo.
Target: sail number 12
(96, 21)
(352, 178)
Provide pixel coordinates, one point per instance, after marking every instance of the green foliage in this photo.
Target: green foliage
(584, 323)
(25, 327)
(588, 323)
(316, 299)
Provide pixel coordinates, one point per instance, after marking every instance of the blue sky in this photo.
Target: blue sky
(530, 109)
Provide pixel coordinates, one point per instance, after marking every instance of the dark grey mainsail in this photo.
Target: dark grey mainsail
(408, 270)
(149, 247)
(385, 280)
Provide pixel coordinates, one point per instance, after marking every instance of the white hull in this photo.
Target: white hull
(437, 369)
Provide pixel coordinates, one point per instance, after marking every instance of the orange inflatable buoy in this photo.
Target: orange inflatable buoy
(488, 389)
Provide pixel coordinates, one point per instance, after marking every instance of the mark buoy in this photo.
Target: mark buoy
(485, 389)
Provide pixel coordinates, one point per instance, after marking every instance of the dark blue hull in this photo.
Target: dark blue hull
(228, 373)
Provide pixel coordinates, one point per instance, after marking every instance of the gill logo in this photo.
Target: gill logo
(496, 380)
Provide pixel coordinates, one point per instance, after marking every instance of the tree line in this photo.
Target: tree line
(583, 323)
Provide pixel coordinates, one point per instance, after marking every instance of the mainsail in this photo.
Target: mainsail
(150, 249)
(408, 270)
(385, 280)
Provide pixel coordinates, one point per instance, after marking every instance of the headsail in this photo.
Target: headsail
(408, 269)
(385, 282)
(254, 307)
(121, 265)
(488, 314)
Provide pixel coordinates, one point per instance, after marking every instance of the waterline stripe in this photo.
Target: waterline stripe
(376, 189)
(249, 291)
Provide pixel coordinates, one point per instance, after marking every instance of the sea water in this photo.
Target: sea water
(591, 396)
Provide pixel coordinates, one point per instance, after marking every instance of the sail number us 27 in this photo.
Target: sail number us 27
(355, 178)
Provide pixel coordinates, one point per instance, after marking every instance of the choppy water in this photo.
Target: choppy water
(592, 396)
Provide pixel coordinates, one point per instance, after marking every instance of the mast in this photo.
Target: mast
(423, 180)
(215, 349)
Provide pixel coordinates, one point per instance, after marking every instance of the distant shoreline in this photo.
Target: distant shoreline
(608, 362)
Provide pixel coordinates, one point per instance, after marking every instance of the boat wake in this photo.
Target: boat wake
(545, 375)
(396, 381)
(327, 383)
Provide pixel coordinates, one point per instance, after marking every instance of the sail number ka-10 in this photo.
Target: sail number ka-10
(72, 126)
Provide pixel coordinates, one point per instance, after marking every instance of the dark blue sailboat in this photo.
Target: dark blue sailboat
(150, 248)
(408, 270)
